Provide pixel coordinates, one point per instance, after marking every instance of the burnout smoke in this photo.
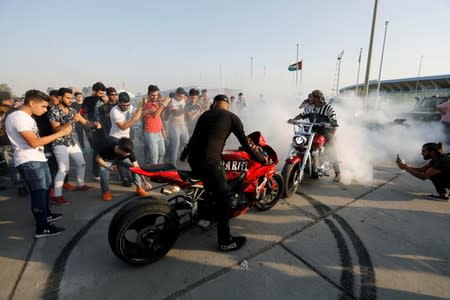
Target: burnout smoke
(364, 139)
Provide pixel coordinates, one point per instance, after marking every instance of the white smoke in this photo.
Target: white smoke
(364, 138)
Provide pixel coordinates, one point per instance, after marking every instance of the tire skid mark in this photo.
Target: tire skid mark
(22, 269)
(54, 280)
(368, 278)
(346, 278)
(345, 293)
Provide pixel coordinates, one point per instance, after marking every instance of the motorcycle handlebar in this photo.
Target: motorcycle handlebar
(298, 122)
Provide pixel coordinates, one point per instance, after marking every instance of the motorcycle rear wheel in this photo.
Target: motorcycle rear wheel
(291, 175)
(274, 191)
(144, 232)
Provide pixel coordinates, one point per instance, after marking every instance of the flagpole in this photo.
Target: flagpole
(296, 73)
(359, 67)
(301, 76)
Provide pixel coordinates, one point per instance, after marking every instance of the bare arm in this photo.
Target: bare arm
(34, 141)
(422, 172)
(127, 124)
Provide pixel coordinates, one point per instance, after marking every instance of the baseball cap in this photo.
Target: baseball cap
(221, 97)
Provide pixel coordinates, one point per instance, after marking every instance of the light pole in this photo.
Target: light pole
(251, 67)
(220, 75)
(359, 67)
(339, 58)
(418, 74)
(381, 63)
(296, 73)
(369, 54)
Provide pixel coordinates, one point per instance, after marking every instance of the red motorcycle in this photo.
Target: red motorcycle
(145, 229)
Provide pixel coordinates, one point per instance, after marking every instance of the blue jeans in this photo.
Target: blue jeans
(104, 173)
(178, 136)
(8, 154)
(123, 171)
(37, 177)
(156, 147)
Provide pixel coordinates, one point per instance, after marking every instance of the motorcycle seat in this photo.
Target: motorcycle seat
(158, 167)
(187, 176)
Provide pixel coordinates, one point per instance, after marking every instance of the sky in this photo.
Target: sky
(207, 43)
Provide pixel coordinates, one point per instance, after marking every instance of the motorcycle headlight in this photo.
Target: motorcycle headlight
(299, 140)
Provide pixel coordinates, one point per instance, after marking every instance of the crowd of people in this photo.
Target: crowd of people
(40, 137)
(46, 132)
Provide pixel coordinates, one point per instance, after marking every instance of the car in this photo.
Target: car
(425, 109)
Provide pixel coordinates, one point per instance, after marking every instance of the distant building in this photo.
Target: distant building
(407, 89)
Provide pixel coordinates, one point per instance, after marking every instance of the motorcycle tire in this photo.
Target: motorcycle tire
(291, 175)
(143, 231)
(274, 191)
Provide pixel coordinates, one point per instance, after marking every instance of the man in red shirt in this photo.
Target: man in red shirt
(153, 127)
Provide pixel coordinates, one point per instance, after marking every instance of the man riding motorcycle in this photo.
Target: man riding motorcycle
(323, 112)
(204, 152)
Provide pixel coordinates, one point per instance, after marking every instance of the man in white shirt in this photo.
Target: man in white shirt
(123, 116)
(30, 159)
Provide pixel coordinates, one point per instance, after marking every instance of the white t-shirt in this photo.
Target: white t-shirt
(17, 122)
(177, 105)
(117, 115)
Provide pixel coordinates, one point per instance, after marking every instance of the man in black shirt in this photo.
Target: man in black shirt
(109, 156)
(205, 158)
(90, 111)
(437, 169)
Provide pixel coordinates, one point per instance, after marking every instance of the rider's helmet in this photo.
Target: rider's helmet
(318, 94)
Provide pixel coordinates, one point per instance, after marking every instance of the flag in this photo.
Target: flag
(296, 66)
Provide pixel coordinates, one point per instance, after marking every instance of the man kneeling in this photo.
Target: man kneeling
(437, 169)
(111, 155)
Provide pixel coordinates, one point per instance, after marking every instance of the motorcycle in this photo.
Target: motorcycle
(306, 155)
(145, 229)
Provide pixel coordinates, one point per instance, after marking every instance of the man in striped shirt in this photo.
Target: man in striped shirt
(323, 112)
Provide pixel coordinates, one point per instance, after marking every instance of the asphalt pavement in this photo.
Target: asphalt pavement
(382, 240)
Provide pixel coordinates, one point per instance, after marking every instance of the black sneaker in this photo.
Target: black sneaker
(234, 243)
(53, 217)
(49, 230)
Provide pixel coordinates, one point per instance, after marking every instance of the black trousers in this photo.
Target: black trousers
(441, 181)
(214, 179)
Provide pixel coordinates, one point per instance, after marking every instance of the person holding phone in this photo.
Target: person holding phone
(437, 169)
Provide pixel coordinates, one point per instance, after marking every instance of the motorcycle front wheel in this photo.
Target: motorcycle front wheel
(273, 193)
(291, 175)
(143, 233)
